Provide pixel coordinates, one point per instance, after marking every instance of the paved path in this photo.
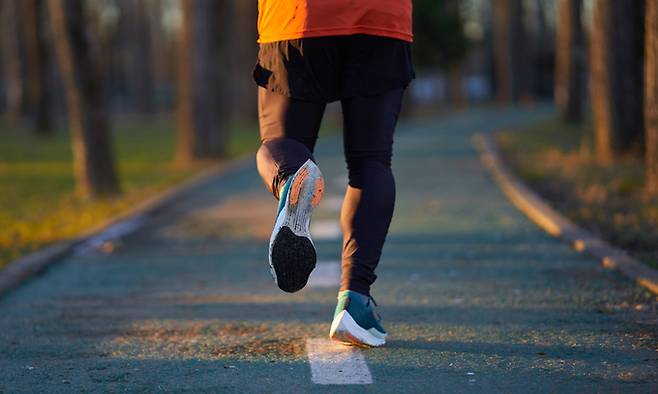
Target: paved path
(476, 298)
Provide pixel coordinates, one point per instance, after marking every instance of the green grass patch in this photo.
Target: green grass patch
(37, 201)
(556, 159)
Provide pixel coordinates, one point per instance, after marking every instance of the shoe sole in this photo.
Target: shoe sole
(292, 253)
(345, 330)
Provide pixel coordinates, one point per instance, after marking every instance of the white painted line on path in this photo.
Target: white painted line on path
(326, 230)
(334, 363)
(325, 274)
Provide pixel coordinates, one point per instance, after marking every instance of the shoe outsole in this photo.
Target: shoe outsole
(293, 260)
(292, 253)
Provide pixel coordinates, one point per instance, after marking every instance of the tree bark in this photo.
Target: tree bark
(651, 94)
(13, 73)
(454, 70)
(570, 61)
(36, 56)
(162, 54)
(617, 73)
(456, 95)
(245, 52)
(508, 35)
(135, 37)
(203, 111)
(92, 151)
(541, 49)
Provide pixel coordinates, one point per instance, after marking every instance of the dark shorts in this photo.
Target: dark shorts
(326, 69)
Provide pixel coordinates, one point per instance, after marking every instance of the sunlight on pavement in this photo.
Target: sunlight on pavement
(209, 340)
(244, 217)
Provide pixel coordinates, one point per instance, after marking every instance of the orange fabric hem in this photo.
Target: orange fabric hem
(338, 32)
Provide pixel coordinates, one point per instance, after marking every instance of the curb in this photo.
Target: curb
(557, 225)
(20, 270)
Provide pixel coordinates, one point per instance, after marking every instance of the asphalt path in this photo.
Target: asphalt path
(476, 298)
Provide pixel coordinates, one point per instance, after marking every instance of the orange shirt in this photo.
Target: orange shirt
(280, 20)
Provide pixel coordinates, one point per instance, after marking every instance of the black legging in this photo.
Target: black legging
(289, 129)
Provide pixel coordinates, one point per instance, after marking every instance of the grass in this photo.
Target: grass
(557, 160)
(37, 201)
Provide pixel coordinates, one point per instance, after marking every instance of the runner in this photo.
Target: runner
(313, 52)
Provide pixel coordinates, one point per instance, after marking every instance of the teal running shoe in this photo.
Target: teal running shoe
(356, 322)
(292, 254)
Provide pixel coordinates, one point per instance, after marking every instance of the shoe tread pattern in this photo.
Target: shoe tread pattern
(293, 259)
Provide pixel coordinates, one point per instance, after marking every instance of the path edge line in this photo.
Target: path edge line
(554, 223)
(18, 271)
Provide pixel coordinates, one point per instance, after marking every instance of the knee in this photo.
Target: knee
(283, 150)
(371, 170)
(267, 167)
(362, 160)
(279, 158)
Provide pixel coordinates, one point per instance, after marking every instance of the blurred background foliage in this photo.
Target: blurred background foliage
(104, 102)
(440, 39)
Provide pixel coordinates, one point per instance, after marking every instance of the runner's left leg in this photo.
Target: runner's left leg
(288, 132)
(289, 129)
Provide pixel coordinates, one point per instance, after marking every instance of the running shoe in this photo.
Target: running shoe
(292, 253)
(356, 322)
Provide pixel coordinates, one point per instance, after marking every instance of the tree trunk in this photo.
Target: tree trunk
(651, 94)
(135, 37)
(162, 66)
(36, 56)
(456, 94)
(92, 150)
(570, 59)
(454, 68)
(245, 49)
(509, 62)
(617, 74)
(541, 48)
(202, 111)
(13, 73)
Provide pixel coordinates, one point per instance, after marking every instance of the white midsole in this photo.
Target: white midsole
(299, 219)
(344, 324)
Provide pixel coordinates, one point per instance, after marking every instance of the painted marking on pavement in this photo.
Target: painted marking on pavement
(326, 230)
(334, 363)
(325, 274)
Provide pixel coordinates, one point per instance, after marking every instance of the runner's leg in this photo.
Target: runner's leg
(288, 132)
(369, 123)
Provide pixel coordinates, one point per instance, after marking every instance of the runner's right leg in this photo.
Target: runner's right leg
(369, 123)
(288, 131)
